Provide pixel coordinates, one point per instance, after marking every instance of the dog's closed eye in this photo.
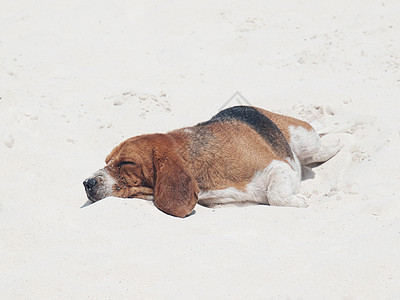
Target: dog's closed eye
(127, 163)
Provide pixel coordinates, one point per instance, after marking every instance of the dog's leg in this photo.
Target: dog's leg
(304, 142)
(310, 148)
(283, 185)
(327, 150)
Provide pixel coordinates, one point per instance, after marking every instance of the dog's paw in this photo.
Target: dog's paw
(299, 201)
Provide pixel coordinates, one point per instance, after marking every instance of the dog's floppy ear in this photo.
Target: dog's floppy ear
(175, 190)
(113, 153)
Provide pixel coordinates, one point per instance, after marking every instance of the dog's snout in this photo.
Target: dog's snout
(90, 183)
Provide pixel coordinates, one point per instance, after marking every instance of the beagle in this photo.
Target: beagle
(242, 155)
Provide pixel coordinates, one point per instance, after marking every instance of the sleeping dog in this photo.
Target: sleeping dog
(242, 155)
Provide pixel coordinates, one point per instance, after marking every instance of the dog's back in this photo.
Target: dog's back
(259, 122)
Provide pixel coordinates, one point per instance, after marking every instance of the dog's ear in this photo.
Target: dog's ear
(113, 153)
(175, 190)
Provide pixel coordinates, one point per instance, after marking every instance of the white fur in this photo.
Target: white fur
(304, 143)
(107, 182)
(275, 185)
(309, 147)
(326, 151)
(284, 183)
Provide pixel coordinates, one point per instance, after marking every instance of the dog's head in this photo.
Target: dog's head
(147, 167)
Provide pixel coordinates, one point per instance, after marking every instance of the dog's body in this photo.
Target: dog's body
(242, 155)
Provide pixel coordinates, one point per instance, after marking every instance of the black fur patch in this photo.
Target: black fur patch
(257, 121)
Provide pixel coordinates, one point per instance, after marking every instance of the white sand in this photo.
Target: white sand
(77, 78)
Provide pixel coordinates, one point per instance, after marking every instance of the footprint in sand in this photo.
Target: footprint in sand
(146, 102)
(9, 143)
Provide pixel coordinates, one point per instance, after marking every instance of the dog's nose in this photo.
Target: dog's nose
(90, 183)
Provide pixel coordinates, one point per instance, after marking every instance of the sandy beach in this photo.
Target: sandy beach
(79, 77)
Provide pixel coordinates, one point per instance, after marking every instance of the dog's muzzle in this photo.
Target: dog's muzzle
(98, 186)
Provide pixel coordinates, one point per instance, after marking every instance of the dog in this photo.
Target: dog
(242, 155)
